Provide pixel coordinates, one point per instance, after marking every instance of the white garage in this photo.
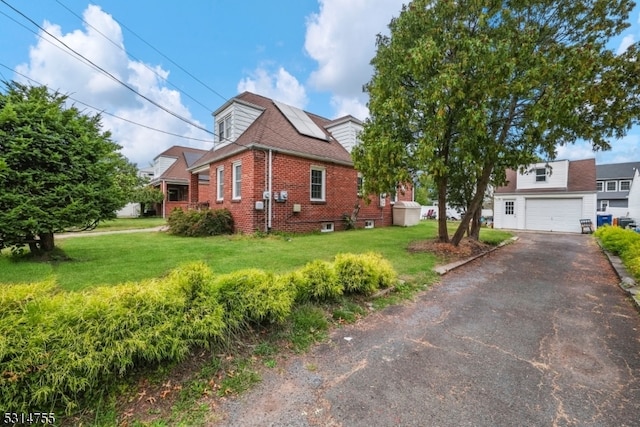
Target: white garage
(553, 214)
(549, 196)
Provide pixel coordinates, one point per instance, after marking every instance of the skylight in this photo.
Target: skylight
(299, 119)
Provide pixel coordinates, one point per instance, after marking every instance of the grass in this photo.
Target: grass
(130, 223)
(119, 258)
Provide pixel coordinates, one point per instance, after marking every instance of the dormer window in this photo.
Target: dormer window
(224, 128)
(541, 175)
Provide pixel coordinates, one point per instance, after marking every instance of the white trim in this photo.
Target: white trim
(628, 182)
(326, 227)
(323, 189)
(601, 184)
(606, 186)
(236, 181)
(220, 183)
(369, 223)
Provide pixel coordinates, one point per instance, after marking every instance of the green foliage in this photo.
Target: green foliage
(624, 243)
(319, 282)
(462, 90)
(63, 171)
(146, 195)
(364, 273)
(60, 347)
(253, 296)
(308, 325)
(200, 223)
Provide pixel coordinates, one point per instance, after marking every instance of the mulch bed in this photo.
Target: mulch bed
(446, 252)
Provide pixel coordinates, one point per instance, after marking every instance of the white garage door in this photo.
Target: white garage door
(553, 214)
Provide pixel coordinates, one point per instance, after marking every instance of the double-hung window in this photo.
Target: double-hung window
(612, 185)
(541, 175)
(220, 183)
(600, 186)
(625, 185)
(237, 181)
(224, 128)
(318, 184)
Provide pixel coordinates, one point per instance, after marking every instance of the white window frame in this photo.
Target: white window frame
(326, 227)
(541, 177)
(615, 186)
(509, 207)
(224, 128)
(599, 186)
(323, 184)
(603, 205)
(628, 185)
(236, 182)
(369, 223)
(360, 184)
(220, 183)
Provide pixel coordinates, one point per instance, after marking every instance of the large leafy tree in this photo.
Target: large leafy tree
(60, 170)
(463, 89)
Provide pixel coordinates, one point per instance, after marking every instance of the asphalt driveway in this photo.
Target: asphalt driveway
(536, 334)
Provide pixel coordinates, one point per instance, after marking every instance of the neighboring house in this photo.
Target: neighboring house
(634, 198)
(171, 176)
(132, 210)
(279, 168)
(551, 196)
(613, 182)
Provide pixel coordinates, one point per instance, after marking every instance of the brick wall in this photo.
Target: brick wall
(293, 175)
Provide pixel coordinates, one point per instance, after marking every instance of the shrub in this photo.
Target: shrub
(364, 273)
(624, 243)
(319, 281)
(62, 347)
(253, 296)
(200, 223)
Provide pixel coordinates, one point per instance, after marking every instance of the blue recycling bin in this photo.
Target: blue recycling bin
(603, 220)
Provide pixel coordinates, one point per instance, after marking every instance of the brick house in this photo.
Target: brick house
(171, 176)
(278, 168)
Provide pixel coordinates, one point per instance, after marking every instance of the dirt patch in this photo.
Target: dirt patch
(446, 252)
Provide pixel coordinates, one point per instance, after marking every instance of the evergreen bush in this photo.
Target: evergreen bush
(319, 282)
(200, 223)
(363, 273)
(252, 296)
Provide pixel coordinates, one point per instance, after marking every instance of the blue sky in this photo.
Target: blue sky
(191, 56)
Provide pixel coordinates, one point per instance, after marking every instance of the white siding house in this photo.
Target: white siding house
(550, 196)
(634, 198)
(346, 131)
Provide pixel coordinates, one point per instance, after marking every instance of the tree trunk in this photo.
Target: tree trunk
(46, 242)
(443, 233)
(476, 204)
(474, 234)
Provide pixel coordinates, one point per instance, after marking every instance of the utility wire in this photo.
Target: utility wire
(132, 56)
(100, 111)
(102, 70)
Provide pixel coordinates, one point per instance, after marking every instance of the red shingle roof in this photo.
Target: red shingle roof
(272, 130)
(184, 159)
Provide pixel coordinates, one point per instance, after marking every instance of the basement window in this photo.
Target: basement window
(368, 223)
(326, 227)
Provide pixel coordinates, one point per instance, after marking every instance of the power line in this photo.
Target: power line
(105, 72)
(133, 57)
(101, 111)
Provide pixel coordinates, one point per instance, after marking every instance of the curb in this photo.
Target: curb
(627, 283)
(444, 269)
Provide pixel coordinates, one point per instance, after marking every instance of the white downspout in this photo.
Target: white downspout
(164, 191)
(269, 201)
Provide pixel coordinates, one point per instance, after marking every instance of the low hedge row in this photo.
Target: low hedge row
(624, 243)
(58, 348)
(200, 223)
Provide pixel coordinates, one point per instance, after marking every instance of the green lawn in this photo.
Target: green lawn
(112, 259)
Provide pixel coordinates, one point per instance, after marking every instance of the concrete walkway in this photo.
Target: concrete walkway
(102, 233)
(537, 333)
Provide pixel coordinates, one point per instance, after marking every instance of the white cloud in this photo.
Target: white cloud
(627, 41)
(52, 65)
(341, 38)
(577, 151)
(279, 85)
